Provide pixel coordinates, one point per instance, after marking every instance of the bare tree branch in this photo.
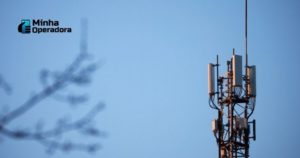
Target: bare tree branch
(61, 80)
(47, 137)
(5, 86)
(61, 127)
(75, 74)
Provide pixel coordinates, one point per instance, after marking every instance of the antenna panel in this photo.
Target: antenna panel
(241, 123)
(211, 79)
(237, 66)
(251, 71)
(214, 126)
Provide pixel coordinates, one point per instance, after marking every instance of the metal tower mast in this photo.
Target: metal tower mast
(234, 99)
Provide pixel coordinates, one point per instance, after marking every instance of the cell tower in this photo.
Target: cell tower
(233, 96)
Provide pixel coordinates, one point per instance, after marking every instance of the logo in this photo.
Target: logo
(24, 26)
(42, 26)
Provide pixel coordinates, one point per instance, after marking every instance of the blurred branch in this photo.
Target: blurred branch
(5, 86)
(61, 80)
(48, 138)
(72, 99)
(75, 74)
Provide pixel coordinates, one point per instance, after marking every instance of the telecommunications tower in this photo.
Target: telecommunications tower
(233, 96)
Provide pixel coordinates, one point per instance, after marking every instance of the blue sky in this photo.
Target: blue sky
(154, 74)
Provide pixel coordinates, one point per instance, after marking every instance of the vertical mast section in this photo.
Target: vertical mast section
(246, 31)
(246, 46)
(246, 80)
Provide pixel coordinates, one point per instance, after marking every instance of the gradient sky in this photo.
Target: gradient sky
(154, 76)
